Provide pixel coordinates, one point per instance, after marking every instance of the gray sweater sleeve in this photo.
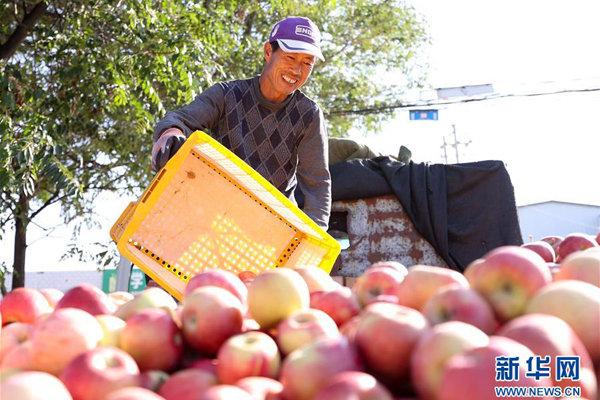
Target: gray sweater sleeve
(313, 173)
(201, 114)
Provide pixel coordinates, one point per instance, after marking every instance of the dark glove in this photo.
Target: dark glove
(166, 146)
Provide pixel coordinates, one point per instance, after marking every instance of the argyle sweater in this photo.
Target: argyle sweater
(285, 142)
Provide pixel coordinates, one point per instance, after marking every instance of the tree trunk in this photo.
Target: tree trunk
(21, 222)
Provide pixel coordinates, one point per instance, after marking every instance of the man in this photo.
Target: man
(266, 120)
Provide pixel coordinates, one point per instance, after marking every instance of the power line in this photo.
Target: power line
(391, 107)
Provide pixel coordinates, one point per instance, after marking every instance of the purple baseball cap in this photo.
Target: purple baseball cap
(297, 35)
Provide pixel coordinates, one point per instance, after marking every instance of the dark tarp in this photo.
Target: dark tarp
(463, 210)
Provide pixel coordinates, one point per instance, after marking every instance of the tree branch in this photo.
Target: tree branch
(53, 199)
(8, 48)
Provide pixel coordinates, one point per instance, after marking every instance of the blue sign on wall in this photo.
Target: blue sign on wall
(423, 115)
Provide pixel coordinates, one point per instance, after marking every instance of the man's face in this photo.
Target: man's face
(285, 72)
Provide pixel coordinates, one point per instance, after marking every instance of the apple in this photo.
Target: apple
(13, 335)
(153, 297)
(187, 384)
(391, 264)
(120, 297)
(353, 385)
(316, 279)
(250, 325)
(386, 336)
(582, 266)
(376, 281)
(52, 295)
(340, 304)
(303, 327)
(246, 277)
(153, 379)
(62, 336)
(248, 354)
(111, 328)
(225, 392)
(23, 305)
(472, 374)
(348, 330)
(275, 294)
(578, 304)
(544, 249)
(423, 281)
(457, 303)
(310, 368)
(33, 385)
(574, 242)
(133, 393)
(261, 388)
(434, 349)
(19, 357)
(211, 315)
(221, 278)
(97, 372)
(88, 298)
(153, 339)
(547, 335)
(508, 278)
(553, 241)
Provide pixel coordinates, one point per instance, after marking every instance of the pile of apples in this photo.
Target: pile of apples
(422, 332)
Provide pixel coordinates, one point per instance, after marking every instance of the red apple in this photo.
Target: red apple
(248, 354)
(62, 336)
(261, 388)
(275, 294)
(19, 358)
(153, 297)
(582, 266)
(87, 298)
(23, 305)
(434, 349)
(544, 249)
(547, 335)
(348, 330)
(391, 264)
(97, 372)
(353, 385)
(187, 384)
(220, 278)
(508, 278)
(153, 340)
(13, 335)
(553, 241)
(340, 304)
(472, 374)
(316, 279)
(153, 379)
(52, 295)
(211, 315)
(304, 327)
(225, 392)
(423, 281)
(246, 277)
(386, 336)
(307, 370)
(578, 304)
(33, 385)
(457, 303)
(377, 281)
(133, 393)
(575, 242)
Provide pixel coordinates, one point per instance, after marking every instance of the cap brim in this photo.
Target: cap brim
(297, 46)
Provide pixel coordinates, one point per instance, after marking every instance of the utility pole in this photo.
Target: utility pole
(443, 147)
(457, 143)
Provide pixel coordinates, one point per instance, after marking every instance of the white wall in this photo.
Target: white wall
(62, 280)
(557, 218)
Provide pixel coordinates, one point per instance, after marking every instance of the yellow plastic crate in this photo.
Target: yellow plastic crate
(209, 209)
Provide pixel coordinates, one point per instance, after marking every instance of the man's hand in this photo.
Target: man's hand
(166, 146)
